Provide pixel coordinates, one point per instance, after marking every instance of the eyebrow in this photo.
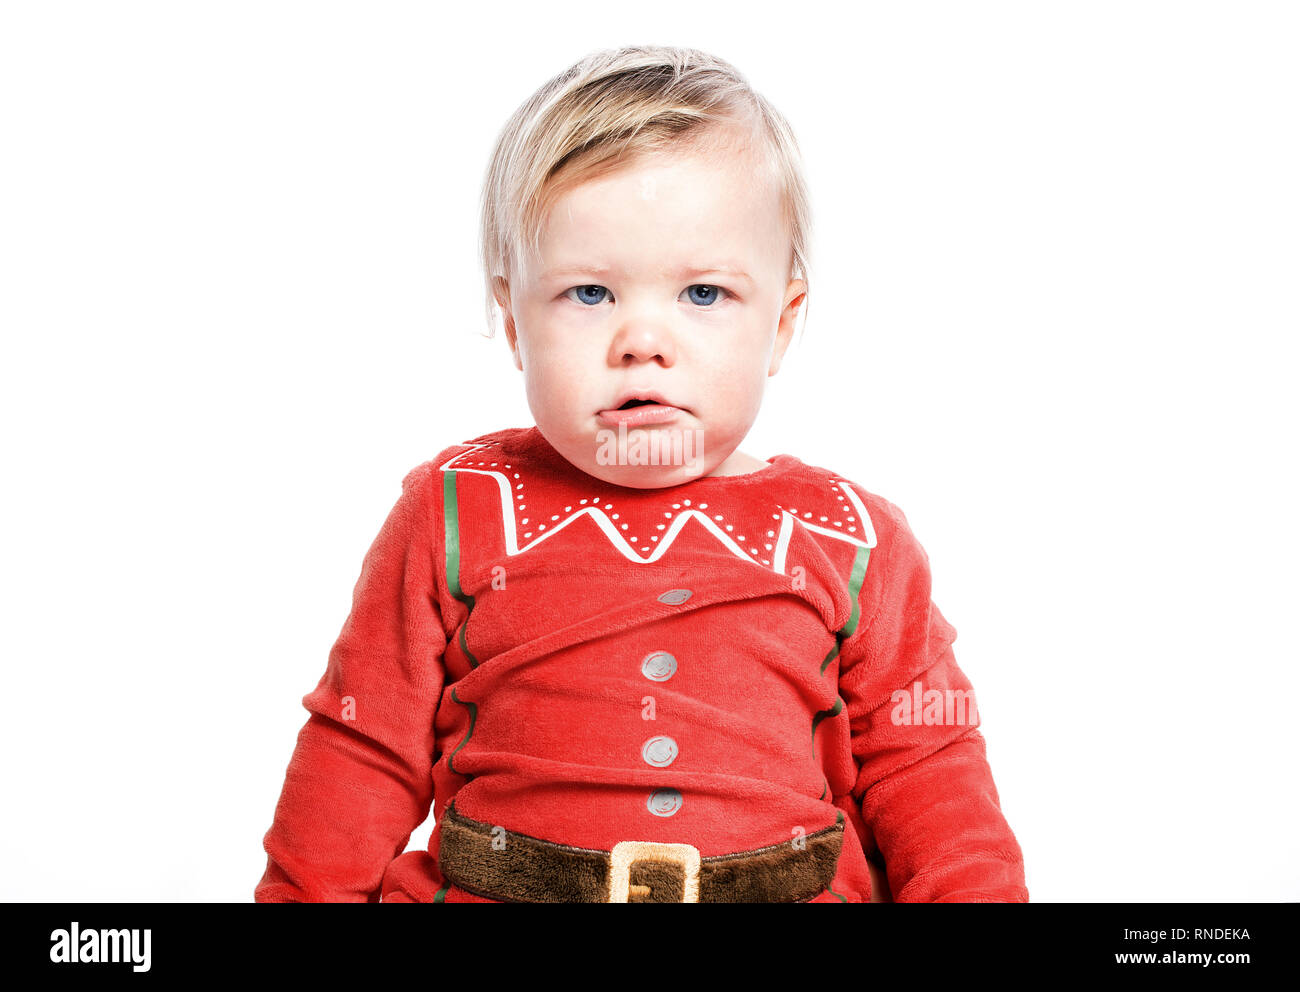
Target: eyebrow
(729, 269)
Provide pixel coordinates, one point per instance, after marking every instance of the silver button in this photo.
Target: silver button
(664, 802)
(659, 751)
(658, 666)
(675, 597)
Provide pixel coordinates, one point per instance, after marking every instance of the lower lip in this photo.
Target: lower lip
(639, 416)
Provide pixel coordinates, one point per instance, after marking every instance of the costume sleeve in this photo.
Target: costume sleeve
(925, 788)
(360, 778)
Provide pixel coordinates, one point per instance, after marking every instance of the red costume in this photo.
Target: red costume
(714, 667)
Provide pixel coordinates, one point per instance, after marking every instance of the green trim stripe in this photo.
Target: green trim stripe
(818, 718)
(856, 575)
(441, 894)
(822, 715)
(855, 586)
(833, 654)
(473, 716)
(473, 662)
(451, 516)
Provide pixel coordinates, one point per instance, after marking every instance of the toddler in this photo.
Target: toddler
(622, 659)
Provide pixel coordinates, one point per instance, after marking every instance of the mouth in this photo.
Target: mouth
(633, 398)
(640, 407)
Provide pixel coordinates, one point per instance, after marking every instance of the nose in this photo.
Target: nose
(643, 341)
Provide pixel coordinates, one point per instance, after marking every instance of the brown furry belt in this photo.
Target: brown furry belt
(494, 862)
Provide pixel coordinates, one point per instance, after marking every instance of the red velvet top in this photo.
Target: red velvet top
(725, 663)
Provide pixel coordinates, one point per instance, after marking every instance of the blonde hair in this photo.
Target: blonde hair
(606, 110)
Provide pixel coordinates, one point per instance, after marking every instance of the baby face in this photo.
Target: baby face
(669, 276)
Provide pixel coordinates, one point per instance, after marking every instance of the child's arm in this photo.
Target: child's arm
(926, 790)
(360, 779)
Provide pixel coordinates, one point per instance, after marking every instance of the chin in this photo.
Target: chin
(646, 476)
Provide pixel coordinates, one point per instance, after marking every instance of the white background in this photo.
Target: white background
(1053, 316)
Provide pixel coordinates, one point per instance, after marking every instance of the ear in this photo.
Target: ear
(501, 290)
(795, 294)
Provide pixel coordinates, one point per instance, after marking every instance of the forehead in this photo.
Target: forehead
(664, 210)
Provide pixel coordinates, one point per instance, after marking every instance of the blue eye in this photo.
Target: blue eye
(714, 290)
(585, 294)
(593, 295)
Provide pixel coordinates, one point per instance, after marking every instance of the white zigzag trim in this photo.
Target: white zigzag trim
(620, 543)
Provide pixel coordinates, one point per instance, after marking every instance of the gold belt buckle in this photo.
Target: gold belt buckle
(627, 851)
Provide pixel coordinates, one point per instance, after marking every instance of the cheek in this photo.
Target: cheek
(738, 383)
(559, 375)
(732, 400)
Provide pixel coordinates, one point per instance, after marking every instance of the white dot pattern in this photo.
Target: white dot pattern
(833, 514)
